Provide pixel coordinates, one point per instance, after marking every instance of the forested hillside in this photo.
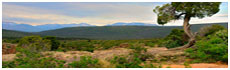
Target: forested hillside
(118, 32)
(14, 34)
(108, 32)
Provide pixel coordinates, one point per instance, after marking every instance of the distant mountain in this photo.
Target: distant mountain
(58, 26)
(19, 27)
(30, 28)
(131, 24)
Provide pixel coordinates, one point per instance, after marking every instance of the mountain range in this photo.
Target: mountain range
(39, 28)
(131, 24)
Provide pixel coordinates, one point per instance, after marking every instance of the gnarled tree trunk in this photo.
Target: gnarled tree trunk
(188, 32)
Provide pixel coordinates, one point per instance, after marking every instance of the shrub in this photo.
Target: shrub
(139, 51)
(172, 44)
(208, 30)
(29, 54)
(34, 44)
(108, 44)
(138, 48)
(54, 42)
(150, 43)
(78, 46)
(8, 64)
(14, 41)
(85, 62)
(28, 59)
(125, 62)
(134, 59)
(176, 38)
(211, 48)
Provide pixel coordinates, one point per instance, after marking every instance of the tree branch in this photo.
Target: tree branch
(178, 16)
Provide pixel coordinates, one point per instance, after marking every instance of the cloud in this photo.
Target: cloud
(91, 13)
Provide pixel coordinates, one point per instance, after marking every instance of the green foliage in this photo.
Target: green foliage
(172, 44)
(176, 38)
(85, 62)
(211, 49)
(14, 34)
(139, 51)
(138, 48)
(106, 44)
(105, 32)
(11, 40)
(54, 42)
(175, 10)
(125, 62)
(7, 64)
(34, 44)
(197, 9)
(78, 46)
(209, 30)
(187, 65)
(29, 54)
(28, 59)
(134, 59)
(163, 13)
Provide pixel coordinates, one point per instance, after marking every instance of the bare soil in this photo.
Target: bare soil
(160, 52)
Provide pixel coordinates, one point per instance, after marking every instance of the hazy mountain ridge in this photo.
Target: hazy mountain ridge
(19, 27)
(131, 24)
(38, 28)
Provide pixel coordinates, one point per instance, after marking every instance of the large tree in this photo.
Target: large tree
(186, 11)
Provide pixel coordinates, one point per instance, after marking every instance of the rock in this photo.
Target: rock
(8, 48)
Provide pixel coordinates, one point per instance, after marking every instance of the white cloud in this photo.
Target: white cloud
(100, 14)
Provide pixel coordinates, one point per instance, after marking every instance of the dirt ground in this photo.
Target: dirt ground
(107, 54)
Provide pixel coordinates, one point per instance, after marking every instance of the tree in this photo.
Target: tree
(34, 44)
(186, 11)
(54, 42)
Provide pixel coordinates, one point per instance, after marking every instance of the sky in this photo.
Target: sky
(94, 13)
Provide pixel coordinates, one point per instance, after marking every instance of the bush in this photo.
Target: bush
(211, 48)
(176, 38)
(134, 59)
(138, 48)
(106, 44)
(85, 62)
(14, 41)
(172, 44)
(54, 42)
(8, 64)
(78, 46)
(34, 44)
(27, 59)
(125, 62)
(29, 54)
(208, 30)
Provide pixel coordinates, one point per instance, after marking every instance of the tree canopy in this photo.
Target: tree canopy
(178, 10)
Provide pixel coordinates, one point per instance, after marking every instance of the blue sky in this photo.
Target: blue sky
(95, 13)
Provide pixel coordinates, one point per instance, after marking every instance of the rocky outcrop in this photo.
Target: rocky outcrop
(8, 48)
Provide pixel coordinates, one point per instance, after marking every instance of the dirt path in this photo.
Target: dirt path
(8, 57)
(162, 51)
